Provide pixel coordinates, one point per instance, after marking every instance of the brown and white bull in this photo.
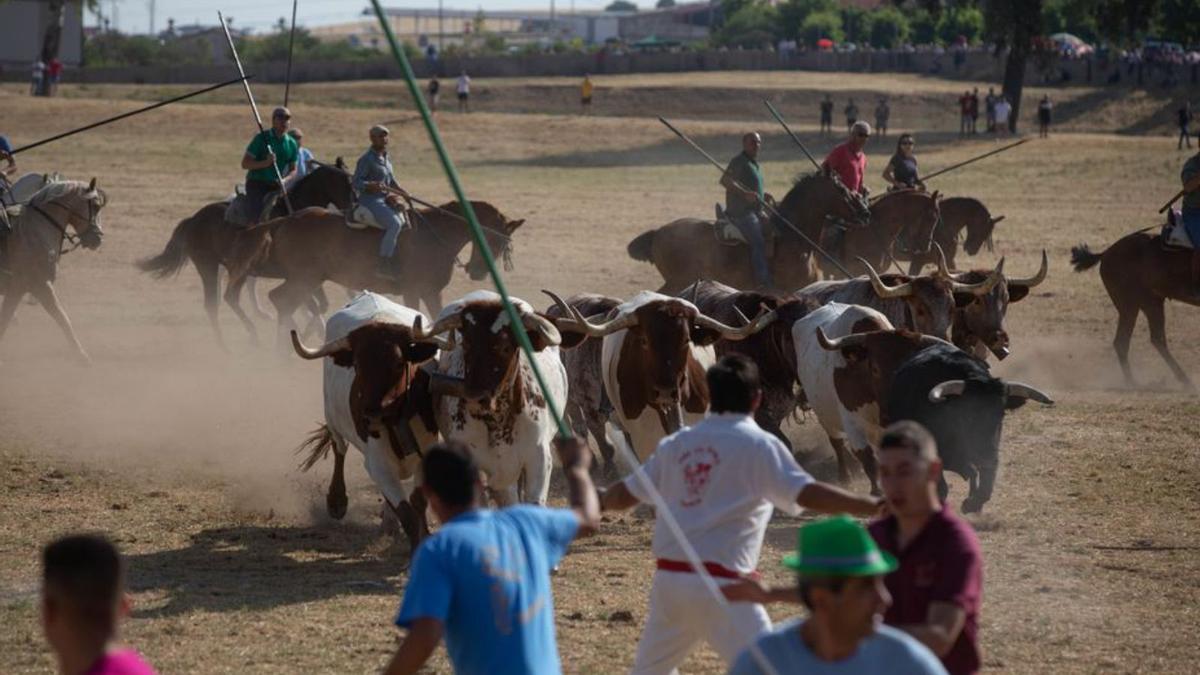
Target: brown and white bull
(771, 349)
(978, 323)
(846, 379)
(498, 410)
(924, 304)
(653, 359)
(376, 399)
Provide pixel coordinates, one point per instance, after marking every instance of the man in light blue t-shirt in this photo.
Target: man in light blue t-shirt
(482, 581)
(841, 572)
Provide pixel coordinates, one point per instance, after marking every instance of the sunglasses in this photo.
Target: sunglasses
(862, 135)
(908, 143)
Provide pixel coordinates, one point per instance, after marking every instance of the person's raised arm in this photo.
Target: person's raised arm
(423, 637)
(827, 498)
(576, 457)
(943, 622)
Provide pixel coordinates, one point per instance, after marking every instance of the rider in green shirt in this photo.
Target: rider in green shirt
(273, 146)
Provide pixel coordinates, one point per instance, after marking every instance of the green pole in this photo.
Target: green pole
(514, 319)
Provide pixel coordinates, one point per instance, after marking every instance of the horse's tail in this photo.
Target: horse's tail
(1083, 259)
(251, 247)
(316, 447)
(640, 247)
(174, 255)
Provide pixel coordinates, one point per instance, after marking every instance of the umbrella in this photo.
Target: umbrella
(824, 43)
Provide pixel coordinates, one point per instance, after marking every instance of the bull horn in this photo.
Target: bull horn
(326, 349)
(996, 220)
(1019, 390)
(984, 287)
(1035, 279)
(884, 291)
(943, 268)
(576, 323)
(92, 185)
(544, 326)
(443, 325)
(741, 315)
(946, 389)
(763, 320)
(836, 344)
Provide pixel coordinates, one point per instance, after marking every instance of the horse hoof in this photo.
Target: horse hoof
(336, 506)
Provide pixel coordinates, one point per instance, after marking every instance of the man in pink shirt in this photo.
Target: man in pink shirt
(83, 601)
(848, 159)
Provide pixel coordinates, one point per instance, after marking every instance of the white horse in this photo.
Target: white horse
(22, 190)
(35, 245)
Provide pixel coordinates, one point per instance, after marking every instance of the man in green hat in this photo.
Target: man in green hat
(840, 571)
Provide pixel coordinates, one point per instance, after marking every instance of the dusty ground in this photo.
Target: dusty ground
(184, 453)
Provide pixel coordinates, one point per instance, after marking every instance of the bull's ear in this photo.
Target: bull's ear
(571, 339)
(703, 337)
(1017, 292)
(343, 358)
(1014, 402)
(420, 352)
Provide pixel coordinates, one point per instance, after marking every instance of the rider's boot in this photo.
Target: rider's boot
(384, 269)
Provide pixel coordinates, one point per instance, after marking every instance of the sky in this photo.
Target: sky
(133, 16)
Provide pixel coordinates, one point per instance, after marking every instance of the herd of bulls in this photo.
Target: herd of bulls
(859, 353)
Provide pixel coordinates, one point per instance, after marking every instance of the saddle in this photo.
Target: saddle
(728, 234)
(1174, 236)
(237, 211)
(359, 217)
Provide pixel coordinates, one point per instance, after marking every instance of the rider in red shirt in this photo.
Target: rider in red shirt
(848, 159)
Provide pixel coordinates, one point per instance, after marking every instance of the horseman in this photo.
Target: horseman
(901, 172)
(5, 226)
(376, 188)
(744, 199)
(271, 147)
(6, 157)
(848, 159)
(1191, 211)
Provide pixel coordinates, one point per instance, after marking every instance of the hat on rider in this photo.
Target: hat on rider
(380, 130)
(838, 547)
(860, 127)
(282, 112)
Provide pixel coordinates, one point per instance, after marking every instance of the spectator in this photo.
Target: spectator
(463, 87)
(585, 93)
(964, 113)
(1184, 119)
(1003, 109)
(83, 604)
(827, 115)
(882, 113)
(990, 104)
(938, 588)
(851, 114)
(973, 110)
(840, 574)
(54, 71)
(483, 580)
(38, 76)
(1045, 108)
(435, 87)
(721, 479)
(304, 157)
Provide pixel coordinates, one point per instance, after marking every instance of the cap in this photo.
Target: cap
(380, 129)
(281, 112)
(860, 127)
(838, 547)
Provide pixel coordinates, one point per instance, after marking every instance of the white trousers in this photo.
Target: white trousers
(682, 614)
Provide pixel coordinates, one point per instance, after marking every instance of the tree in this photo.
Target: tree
(960, 20)
(753, 26)
(856, 24)
(52, 38)
(1180, 21)
(889, 28)
(621, 6)
(821, 25)
(923, 27)
(1013, 24)
(792, 14)
(664, 4)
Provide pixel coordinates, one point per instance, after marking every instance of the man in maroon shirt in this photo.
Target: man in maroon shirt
(938, 588)
(848, 160)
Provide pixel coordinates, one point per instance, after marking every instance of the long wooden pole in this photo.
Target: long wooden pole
(997, 151)
(287, 201)
(836, 263)
(287, 78)
(795, 139)
(131, 113)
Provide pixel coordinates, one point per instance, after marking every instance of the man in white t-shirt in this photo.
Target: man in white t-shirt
(721, 480)
(1003, 110)
(463, 87)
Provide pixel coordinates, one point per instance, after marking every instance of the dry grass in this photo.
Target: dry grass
(182, 453)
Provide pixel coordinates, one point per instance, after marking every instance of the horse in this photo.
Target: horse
(686, 250)
(1140, 275)
(209, 242)
(314, 245)
(911, 213)
(36, 244)
(957, 213)
(22, 189)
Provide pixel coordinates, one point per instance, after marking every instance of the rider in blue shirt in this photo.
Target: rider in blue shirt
(376, 188)
(6, 156)
(482, 581)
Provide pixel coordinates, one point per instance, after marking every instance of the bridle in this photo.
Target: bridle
(93, 231)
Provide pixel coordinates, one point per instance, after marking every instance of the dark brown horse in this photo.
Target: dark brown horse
(906, 216)
(208, 241)
(1140, 276)
(957, 213)
(314, 245)
(685, 251)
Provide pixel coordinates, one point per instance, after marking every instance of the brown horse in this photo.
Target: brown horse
(911, 213)
(685, 251)
(1140, 275)
(208, 241)
(36, 244)
(314, 245)
(957, 213)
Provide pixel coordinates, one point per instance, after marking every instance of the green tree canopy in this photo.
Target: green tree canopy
(621, 6)
(821, 25)
(753, 26)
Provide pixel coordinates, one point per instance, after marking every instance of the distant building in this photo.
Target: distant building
(681, 23)
(23, 27)
(205, 39)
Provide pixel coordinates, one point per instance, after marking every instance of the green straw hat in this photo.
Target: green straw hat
(838, 547)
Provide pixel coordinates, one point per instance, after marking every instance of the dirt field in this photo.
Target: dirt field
(183, 453)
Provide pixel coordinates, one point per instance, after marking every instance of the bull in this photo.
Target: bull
(978, 322)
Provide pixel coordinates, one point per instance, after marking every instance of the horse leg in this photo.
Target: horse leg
(316, 321)
(915, 265)
(211, 282)
(255, 304)
(287, 297)
(44, 292)
(433, 301)
(1126, 320)
(1157, 319)
(12, 300)
(233, 291)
